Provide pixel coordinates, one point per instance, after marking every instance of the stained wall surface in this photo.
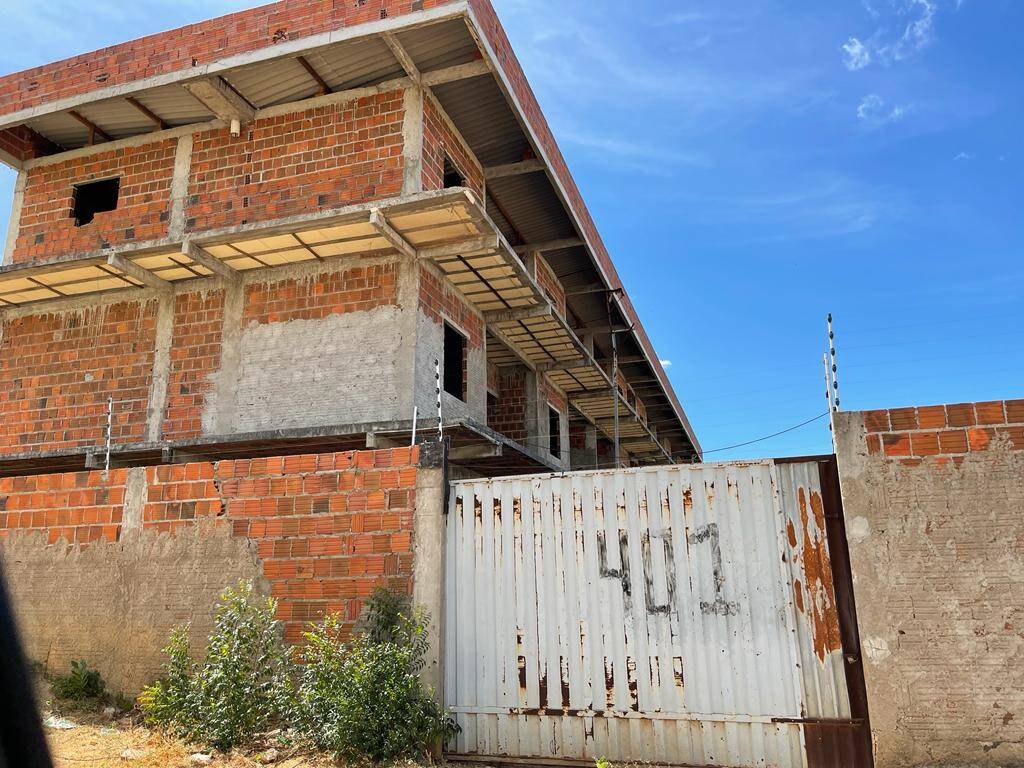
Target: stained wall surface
(934, 504)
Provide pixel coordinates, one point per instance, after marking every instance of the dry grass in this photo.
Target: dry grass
(99, 742)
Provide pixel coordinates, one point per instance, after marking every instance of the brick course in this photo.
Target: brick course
(58, 370)
(440, 139)
(328, 528)
(283, 166)
(47, 228)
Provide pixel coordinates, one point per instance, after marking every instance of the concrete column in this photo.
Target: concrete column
(14, 225)
(179, 186)
(412, 135)
(428, 558)
(223, 418)
(161, 367)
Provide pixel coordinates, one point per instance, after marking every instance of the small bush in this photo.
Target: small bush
(364, 699)
(240, 687)
(82, 684)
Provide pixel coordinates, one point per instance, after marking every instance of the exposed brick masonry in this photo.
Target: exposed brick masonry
(283, 166)
(945, 431)
(328, 528)
(47, 228)
(439, 139)
(57, 371)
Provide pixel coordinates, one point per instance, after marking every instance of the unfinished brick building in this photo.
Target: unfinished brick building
(240, 255)
(270, 227)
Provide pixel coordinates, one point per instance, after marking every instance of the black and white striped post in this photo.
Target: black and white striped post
(833, 368)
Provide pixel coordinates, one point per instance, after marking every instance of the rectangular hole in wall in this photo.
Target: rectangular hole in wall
(94, 197)
(452, 175)
(454, 363)
(554, 432)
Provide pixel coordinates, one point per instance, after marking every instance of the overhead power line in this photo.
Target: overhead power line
(768, 437)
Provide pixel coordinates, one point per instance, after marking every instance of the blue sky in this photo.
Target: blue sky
(753, 166)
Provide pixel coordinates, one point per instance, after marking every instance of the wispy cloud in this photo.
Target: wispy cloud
(875, 111)
(906, 28)
(857, 54)
(666, 363)
(620, 151)
(963, 156)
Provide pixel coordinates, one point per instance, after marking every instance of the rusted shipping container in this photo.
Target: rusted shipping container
(684, 615)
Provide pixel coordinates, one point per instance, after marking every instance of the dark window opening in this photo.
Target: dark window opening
(452, 176)
(95, 197)
(454, 363)
(554, 432)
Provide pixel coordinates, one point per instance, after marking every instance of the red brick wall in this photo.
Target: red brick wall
(57, 371)
(81, 508)
(943, 432)
(439, 139)
(204, 43)
(47, 228)
(440, 301)
(297, 163)
(329, 528)
(195, 356)
(507, 414)
(549, 283)
(357, 289)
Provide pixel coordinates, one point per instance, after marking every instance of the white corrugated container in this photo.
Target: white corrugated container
(656, 614)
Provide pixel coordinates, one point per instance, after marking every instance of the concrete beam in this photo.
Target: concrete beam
(402, 56)
(134, 271)
(222, 100)
(472, 452)
(455, 73)
(505, 315)
(390, 234)
(513, 169)
(461, 248)
(212, 263)
(153, 116)
(551, 245)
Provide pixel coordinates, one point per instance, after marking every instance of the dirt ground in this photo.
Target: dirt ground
(98, 741)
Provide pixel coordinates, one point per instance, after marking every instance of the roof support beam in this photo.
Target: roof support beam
(457, 72)
(94, 130)
(551, 245)
(403, 57)
(513, 169)
(205, 259)
(464, 248)
(221, 99)
(391, 235)
(311, 71)
(153, 116)
(505, 315)
(134, 271)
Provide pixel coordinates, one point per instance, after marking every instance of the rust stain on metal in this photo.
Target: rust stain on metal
(609, 683)
(688, 500)
(791, 530)
(634, 696)
(563, 666)
(798, 593)
(521, 664)
(821, 599)
(677, 672)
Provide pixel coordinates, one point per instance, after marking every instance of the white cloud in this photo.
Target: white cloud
(666, 363)
(857, 54)
(909, 27)
(875, 111)
(964, 156)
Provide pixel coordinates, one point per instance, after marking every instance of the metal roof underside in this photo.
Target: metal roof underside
(526, 208)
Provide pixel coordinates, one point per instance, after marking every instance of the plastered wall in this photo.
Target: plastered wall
(934, 504)
(103, 566)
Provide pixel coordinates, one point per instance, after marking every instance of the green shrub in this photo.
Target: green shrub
(364, 699)
(82, 684)
(240, 687)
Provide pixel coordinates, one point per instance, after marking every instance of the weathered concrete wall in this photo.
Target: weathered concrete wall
(934, 503)
(102, 566)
